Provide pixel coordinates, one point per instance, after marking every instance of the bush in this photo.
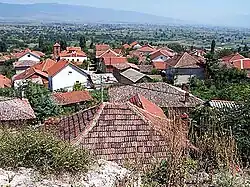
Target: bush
(40, 151)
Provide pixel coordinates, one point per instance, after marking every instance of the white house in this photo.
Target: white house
(63, 75)
(73, 54)
(29, 56)
(161, 55)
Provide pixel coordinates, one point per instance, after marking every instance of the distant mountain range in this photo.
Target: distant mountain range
(52, 12)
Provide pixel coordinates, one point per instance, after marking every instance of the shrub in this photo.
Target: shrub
(40, 151)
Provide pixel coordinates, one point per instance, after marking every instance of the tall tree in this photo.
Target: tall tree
(41, 43)
(3, 46)
(63, 44)
(245, 49)
(213, 47)
(82, 42)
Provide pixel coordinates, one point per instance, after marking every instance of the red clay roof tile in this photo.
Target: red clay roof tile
(72, 97)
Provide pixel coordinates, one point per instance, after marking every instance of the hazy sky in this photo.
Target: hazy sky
(195, 10)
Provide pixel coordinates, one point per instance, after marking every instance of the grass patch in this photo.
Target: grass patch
(40, 151)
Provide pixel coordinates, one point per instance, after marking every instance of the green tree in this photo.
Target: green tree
(40, 100)
(8, 69)
(213, 44)
(133, 60)
(3, 46)
(82, 43)
(78, 86)
(41, 43)
(176, 47)
(245, 48)
(63, 44)
(224, 52)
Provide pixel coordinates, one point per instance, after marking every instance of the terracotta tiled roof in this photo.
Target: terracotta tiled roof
(72, 54)
(126, 46)
(15, 110)
(183, 60)
(115, 60)
(232, 57)
(160, 65)
(133, 44)
(160, 52)
(4, 82)
(147, 105)
(24, 63)
(30, 73)
(118, 51)
(74, 49)
(38, 54)
(45, 65)
(102, 47)
(72, 97)
(146, 48)
(105, 54)
(146, 68)
(162, 94)
(53, 70)
(5, 58)
(121, 132)
(242, 64)
(125, 66)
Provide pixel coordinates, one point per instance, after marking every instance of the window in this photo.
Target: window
(70, 72)
(73, 60)
(77, 60)
(28, 55)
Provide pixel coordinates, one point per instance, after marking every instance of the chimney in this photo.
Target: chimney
(186, 97)
(56, 50)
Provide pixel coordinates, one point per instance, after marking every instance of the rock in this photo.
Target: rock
(103, 174)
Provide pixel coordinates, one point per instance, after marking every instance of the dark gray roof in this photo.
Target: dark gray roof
(162, 94)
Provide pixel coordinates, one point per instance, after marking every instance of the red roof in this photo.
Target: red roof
(107, 53)
(133, 44)
(184, 60)
(147, 105)
(115, 60)
(242, 64)
(72, 97)
(73, 49)
(4, 82)
(45, 65)
(24, 52)
(160, 52)
(30, 73)
(53, 70)
(233, 57)
(102, 47)
(160, 65)
(126, 46)
(72, 54)
(147, 48)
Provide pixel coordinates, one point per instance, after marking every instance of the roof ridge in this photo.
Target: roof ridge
(92, 124)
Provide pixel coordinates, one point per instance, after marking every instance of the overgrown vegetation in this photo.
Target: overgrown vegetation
(43, 152)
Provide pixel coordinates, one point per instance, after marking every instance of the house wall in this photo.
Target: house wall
(124, 80)
(182, 75)
(160, 58)
(29, 57)
(66, 79)
(80, 59)
(20, 70)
